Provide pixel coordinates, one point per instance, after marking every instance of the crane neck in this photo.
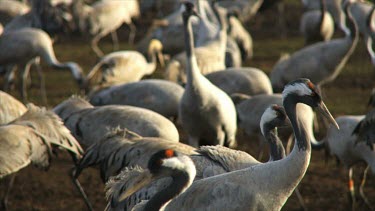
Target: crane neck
(192, 69)
(277, 151)
(151, 62)
(181, 180)
(323, 10)
(299, 124)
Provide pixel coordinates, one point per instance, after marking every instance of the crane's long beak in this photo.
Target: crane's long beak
(322, 109)
(142, 180)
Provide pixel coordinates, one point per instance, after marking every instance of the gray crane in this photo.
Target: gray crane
(252, 188)
(123, 67)
(210, 55)
(165, 163)
(207, 113)
(120, 150)
(21, 46)
(105, 17)
(342, 144)
(317, 25)
(89, 124)
(10, 108)
(249, 112)
(320, 62)
(30, 139)
(157, 95)
(244, 80)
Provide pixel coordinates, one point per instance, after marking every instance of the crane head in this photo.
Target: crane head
(274, 116)
(163, 163)
(156, 47)
(304, 91)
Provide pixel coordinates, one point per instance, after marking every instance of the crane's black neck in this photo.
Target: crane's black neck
(323, 9)
(353, 27)
(277, 151)
(180, 181)
(299, 127)
(189, 38)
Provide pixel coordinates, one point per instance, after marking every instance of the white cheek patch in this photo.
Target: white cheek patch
(297, 88)
(174, 163)
(268, 115)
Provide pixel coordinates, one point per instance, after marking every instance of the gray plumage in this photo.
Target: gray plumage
(42, 15)
(207, 113)
(10, 108)
(246, 9)
(105, 17)
(20, 46)
(30, 138)
(333, 7)
(160, 96)
(252, 188)
(342, 143)
(210, 160)
(365, 129)
(89, 124)
(249, 114)
(320, 62)
(317, 25)
(210, 56)
(123, 67)
(242, 37)
(162, 164)
(245, 80)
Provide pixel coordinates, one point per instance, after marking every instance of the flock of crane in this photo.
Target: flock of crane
(127, 126)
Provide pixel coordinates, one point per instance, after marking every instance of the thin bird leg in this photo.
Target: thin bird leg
(42, 81)
(25, 70)
(133, 30)
(94, 45)
(80, 189)
(364, 176)
(351, 188)
(4, 201)
(114, 40)
(300, 199)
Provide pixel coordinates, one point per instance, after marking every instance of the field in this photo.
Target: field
(324, 186)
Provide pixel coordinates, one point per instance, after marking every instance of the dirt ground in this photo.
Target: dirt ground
(324, 186)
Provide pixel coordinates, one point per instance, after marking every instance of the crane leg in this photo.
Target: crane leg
(133, 30)
(114, 40)
(80, 189)
(363, 196)
(41, 80)
(94, 45)
(4, 201)
(25, 70)
(351, 188)
(300, 199)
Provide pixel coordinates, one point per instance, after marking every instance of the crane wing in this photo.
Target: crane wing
(366, 128)
(229, 159)
(50, 125)
(20, 146)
